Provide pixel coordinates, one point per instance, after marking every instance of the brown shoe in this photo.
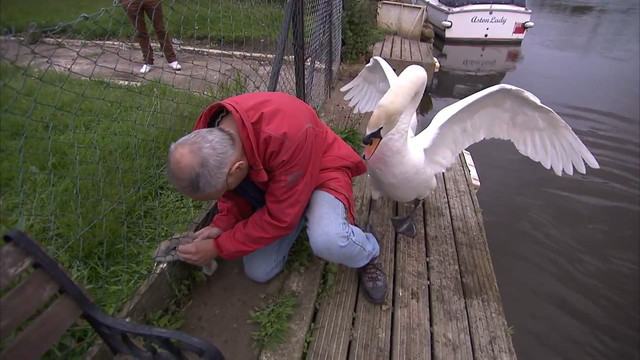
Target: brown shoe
(374, 281)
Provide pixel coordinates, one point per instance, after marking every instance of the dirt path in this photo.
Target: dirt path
(203, 70)
(220, 308)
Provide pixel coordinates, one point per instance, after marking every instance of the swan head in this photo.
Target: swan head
(402, 98)
(371, 141)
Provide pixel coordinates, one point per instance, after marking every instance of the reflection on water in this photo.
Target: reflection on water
(570, 9)
(468, 68)
(565, 249)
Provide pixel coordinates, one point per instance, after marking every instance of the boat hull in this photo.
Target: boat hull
(479, 22)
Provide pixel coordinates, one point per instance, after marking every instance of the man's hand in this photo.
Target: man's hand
(208, 232)
(198, 253)
(201, 251)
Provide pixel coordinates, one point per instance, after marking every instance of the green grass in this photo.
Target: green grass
(327, 282)
(510, 331)
(359, 29)
(208, 21)
(172, 316)
(82, 171)
(272, 319)
(300, 254)
(351, 136)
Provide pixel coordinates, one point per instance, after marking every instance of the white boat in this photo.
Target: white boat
(479, 20)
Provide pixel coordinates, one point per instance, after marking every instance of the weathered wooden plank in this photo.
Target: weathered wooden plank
(372, 328)
(411, 334)
(334, 319)
(487, 324)
(448, 313)
(406, 49)
(23, 300)
(304, 286)
(386, 47)
(12, 262)
(416, 54)
(425, 52)
(332, 327)
(377, 48)
(498, 312)
(44, 331)
(396, 49)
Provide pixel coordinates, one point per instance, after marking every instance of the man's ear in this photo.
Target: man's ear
(238, 167)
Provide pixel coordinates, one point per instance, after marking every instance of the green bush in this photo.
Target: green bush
(359, 29)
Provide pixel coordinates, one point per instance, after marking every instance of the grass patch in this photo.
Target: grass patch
(208, 21)
(82, 171)
(327, 282)
(172, 316)
(351, 136)
(308, 338)
(510, 331)
(272, 319)
(300, 254)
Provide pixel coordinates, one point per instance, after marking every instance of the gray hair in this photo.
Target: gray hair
(200, 161)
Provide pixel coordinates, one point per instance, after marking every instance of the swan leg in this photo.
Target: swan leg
(404, 225)
(374, 207)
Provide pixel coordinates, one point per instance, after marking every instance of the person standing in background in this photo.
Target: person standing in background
(136, 10)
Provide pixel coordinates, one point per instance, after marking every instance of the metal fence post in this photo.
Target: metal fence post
(298, 48)
(280, 47)
(329, 64)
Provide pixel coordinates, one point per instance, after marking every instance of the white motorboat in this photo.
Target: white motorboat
(479, 20)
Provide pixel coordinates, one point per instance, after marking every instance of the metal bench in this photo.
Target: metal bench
(32, 282)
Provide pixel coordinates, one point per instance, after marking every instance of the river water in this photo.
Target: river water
(565, 249)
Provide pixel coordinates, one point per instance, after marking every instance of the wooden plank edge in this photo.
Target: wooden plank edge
(13, 261)
(482, 297)
(451, 337)
(411, 334)
(373, 323)
(334, 319)
(498, 313)
(47, 328)
(304, 286)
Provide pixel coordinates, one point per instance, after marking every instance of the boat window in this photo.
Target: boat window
(458, 3)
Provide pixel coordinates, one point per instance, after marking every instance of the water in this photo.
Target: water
(565, 249)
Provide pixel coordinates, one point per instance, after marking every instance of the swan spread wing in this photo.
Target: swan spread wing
(509, 113)
(366, 90)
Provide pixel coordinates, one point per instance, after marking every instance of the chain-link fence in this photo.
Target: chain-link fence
(85, 133)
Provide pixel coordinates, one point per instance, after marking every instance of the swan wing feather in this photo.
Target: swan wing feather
(509, 113)
(365, 90)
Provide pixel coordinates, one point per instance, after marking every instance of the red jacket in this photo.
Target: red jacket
(291, 152)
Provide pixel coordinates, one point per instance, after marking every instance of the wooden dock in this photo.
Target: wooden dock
(443, 300)
(400, 53)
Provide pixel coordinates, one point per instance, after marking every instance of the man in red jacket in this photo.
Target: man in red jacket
(273, 165)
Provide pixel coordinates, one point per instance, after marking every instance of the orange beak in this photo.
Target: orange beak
(371, 148)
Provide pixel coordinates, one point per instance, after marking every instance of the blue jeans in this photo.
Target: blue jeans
(330, 235)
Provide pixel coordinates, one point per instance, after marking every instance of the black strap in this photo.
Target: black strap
(249, 191)
(215, 118)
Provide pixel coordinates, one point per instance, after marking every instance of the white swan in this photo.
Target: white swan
(402, 165)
